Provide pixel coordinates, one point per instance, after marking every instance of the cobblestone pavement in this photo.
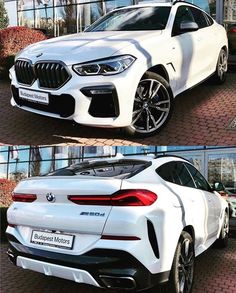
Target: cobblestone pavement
(201, 117)
(214, 273)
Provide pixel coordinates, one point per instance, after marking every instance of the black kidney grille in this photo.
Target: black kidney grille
(24, 72)
(51, 75)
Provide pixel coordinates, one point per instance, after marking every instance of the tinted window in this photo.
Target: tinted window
(175, 172)
(199, 17)
(183, 14)
(116, 168)
(133, 19)
(209, 19)
(199, 180)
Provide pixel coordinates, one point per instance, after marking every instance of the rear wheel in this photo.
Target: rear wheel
(153, 105)
(182, 271)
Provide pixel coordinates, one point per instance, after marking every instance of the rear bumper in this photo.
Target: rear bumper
(99, 267)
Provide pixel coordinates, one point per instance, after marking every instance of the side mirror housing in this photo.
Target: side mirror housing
(188, 26)
(218, 186)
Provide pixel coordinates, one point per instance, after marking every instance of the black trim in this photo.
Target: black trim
(109, 262)
(153, 238)
(104, 104)
(63, 105)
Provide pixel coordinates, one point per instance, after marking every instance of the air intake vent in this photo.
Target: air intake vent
(51, 75)
(24, 72)
(153, 239)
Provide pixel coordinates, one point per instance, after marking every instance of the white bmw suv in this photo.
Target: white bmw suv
(124, 70)
(124, 223)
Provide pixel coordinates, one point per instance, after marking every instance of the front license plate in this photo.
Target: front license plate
(34, 96)
(52, 239)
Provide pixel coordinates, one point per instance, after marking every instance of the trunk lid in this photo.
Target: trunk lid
(61, 214)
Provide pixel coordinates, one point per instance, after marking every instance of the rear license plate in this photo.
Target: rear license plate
(52, 239)
(34, 96)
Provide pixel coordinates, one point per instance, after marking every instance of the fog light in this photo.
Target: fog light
(101, 92)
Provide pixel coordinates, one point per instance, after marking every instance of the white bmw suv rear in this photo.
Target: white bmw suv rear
(129, 223)
(124, 70)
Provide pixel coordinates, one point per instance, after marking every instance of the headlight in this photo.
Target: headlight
(107, 66)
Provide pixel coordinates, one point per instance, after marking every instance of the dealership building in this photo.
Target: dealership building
(60, 17)
(215, 163)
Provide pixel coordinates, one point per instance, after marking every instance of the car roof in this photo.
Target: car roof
(157, 4)
(149, 157)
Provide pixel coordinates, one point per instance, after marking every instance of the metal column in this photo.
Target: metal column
(220, 11)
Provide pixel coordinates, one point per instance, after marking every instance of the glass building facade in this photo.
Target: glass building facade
(60, 17)
(16, 163)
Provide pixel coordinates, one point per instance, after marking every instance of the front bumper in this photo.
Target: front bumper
(107, 268)
(111, 109)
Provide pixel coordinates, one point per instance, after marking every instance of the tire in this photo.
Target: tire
(219, 76)
(222, 241)
(182, 271)
(153, 106)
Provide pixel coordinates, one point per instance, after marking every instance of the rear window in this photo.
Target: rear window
(117, 168)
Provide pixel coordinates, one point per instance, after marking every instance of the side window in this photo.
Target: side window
(183, 173)
(168, 173)
(183, 14)
(199, 180)
(176, 172)
(199, 17)
(209, 19)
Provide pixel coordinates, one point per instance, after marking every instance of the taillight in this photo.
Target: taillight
(232, 30)
(23, 197)
(133, 197)
(126, 197)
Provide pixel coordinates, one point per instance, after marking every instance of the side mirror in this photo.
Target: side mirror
(218, 186)
(188, 26)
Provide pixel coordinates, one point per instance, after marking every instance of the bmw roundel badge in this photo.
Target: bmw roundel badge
(50, 197)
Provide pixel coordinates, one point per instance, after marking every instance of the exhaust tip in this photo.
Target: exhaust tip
(11, 256)
(113, 282)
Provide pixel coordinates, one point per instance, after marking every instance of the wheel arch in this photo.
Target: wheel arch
(189, 229)
(161, 70)
(226, 49)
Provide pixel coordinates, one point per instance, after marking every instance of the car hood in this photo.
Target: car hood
(86, 46)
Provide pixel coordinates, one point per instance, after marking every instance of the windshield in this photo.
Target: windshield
(133, 19)
(117, 168)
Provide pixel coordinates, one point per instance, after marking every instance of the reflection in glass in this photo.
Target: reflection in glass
(44, 19)
(16, 154)
(26, 18)
(3, 170)
(18, 171)
(222, 167)
(39, 168)
(25, 4)
(65, 19)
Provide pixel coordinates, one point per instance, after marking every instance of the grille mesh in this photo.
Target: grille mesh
(24, 72)
(51, 75)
